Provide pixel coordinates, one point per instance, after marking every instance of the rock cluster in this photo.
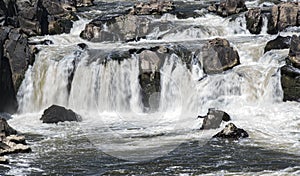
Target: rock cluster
(10, 142)
(228, 7)
(153, 7)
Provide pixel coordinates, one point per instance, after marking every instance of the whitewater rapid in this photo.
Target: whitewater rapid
(108, 96)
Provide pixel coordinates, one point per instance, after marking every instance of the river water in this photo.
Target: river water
(116, 137)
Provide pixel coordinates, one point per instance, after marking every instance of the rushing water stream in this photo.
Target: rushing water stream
(117, 137)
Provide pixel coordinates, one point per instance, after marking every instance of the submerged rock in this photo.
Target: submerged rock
(213, 119)
(228, 7)
(254, 20)
(3, 160)
(278, 43)
(218, 56)
(55, 114)
(232, 132)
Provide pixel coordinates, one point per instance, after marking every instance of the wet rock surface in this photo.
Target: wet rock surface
(218, 56)
(279, 42)
(55, 114)
(10, 141)
(254, 20)
(231, 132)
(213, 119)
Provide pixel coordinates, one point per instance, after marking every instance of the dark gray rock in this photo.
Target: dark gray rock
(228, 7)
(218, 56)
(55, 114)
(5, 129)
(294, 53)
(290, 82)
(213, 119)
(254, 20)
(231, 132)
(278, 43)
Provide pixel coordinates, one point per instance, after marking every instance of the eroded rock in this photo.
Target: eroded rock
(279, 42)
(154, 7)
(254, 20)
(290, 82)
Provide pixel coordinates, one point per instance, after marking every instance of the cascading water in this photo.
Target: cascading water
(108, 94)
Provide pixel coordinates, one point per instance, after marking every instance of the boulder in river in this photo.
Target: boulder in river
(279, 42)
(213, 119)
(228, 7)
(55, 114)
(231, 132)
(218, 56)
(5, 129)
(254, 20)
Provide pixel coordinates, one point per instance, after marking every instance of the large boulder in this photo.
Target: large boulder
(213, 119)
(218, 56)
(228, 7)
(231, 132)
(290, 82)
(254, 20)
(283, 16)
(279, 42)
(155, 7)
(55, 114)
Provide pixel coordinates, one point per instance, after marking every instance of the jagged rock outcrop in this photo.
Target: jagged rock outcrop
(294, 53)
(279, 42)
(15, 57)
(154, 7)
(231, 132)
(254, 20)
(55, 114)
(228, 7)
(218, 56)
(283, 16)
(213, 119)
(40, 17)
(10, 142)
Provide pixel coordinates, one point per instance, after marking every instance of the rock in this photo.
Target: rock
(290, 82)
(213, 119)
(55, 114)
(116, 28)
(5, 116)
(232, 132)
(154, 7)
(283, 16)
(294, 53)
(218, 56)
(5, 129)
(84, 3)
(4, 160)
(15, 148)
(15, 58)
(16, 139)
(278, 43)
(254, 20)
(228, 7)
